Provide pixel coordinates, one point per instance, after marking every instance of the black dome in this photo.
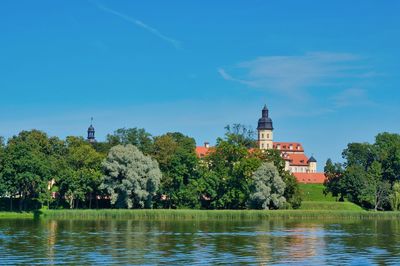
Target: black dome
(265, 123)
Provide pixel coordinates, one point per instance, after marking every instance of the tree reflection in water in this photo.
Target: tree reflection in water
(199, 242)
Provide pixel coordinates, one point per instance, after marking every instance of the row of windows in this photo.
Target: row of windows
(295, 169)
(290, 147)
(262, 136)
(262, 146)
(298, 169)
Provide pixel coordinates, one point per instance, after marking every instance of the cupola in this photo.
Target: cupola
(91, 132)
(265, 123)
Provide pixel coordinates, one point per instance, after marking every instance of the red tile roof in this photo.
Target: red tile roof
(285, 146)
(296, 159)
(310, 178)
(202, 151)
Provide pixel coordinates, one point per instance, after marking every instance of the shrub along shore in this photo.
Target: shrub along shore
(165, 215)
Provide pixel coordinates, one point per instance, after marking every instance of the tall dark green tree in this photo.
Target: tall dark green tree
(387, 149)
(230, 164)
(29, 165)
(334, 180)
(178, 163)
(376, 190)
(368, 173)
(81, 176)
(3, 187)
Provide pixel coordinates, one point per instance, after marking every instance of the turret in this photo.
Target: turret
(91, 133)
(265, 130)
(312, 165)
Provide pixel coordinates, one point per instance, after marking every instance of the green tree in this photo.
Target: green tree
(361, 154)
(226, 166)
(135, 136)
(267, 188)
(178, 162)
(131, 178)
(3, 187)
(292, 190)
(395, 196)
(375, 190)
(369, 172)
(241, 135)
(82, 172)
(29, 165)
(354, 179)
(334, 180)
(387, 149)
(230, 166)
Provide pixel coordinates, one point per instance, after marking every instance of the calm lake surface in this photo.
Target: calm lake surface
(278, 241)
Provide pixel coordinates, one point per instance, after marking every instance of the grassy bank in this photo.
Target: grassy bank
(215, 214)
(106, 214)
(315, 206)
(314, 192)
(329, 206)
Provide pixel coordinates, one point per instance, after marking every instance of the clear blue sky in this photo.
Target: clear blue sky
(328, 70)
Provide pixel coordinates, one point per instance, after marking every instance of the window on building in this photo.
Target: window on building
(262, 135)
(267, 136)
(262, 145)
(267, 146)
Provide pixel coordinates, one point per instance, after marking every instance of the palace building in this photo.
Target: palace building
(296, 161)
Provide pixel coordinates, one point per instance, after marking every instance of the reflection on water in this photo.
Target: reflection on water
(275, 241)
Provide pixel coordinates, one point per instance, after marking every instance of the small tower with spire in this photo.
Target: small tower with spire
(312, 164)
(91, 132)
(265, 130)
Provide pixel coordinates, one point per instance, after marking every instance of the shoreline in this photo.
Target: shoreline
(165, 214)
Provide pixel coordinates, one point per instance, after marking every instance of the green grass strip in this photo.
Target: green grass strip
(17, 215)
(160, 215)
(215, 214)
(329, 205)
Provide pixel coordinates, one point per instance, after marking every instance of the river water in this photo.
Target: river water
(277, 241)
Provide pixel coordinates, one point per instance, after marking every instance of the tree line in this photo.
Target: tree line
(369, 175)
(133, 169)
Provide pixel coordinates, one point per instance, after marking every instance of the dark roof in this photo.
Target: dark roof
(265, 123)
(312, 160)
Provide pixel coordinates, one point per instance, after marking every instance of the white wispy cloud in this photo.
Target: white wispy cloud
(291, 74)
(352, 97)
(141, 24)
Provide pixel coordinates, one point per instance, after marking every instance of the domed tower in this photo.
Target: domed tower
(312, 165)
(91, 133)
(265, 130)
